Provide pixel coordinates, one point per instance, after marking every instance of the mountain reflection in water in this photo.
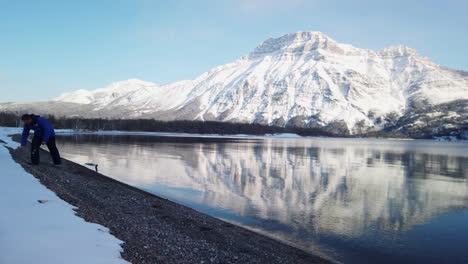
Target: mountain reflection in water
(354, 200)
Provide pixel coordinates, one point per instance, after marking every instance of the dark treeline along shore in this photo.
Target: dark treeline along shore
(177, 126)
(337, 129)
(394, 126)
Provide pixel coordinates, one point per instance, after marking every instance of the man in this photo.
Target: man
(43, 134)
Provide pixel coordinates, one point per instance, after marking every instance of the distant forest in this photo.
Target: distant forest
(179, 126)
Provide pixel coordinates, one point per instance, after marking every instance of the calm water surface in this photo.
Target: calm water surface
(352, 200)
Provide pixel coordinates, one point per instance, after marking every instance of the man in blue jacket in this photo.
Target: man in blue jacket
(43, 134)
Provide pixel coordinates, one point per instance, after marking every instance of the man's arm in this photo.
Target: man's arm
(46, 128)
(25, 135)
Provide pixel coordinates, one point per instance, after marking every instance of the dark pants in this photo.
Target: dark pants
(36, 145)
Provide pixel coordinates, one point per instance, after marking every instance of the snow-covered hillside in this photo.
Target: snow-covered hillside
(36, 226)
(301, 79)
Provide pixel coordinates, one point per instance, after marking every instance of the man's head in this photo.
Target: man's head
(27, 119)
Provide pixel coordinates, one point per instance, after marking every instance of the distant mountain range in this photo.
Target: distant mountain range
(303, 79)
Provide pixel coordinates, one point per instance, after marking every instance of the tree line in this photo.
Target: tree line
(176, 126)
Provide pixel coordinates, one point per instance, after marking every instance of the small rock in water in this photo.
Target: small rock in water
(42, 201)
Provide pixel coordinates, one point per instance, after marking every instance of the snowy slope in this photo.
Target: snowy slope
(106, 95)
(49, 232)
(304, 78)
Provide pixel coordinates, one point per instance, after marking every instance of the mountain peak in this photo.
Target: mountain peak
(399, 50)
(294, 43)
(133, 81)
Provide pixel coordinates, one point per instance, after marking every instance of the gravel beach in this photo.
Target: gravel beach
(154, 229)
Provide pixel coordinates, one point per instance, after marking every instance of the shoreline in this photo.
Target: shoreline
(154, 229)
(451, 139)
(246, 136)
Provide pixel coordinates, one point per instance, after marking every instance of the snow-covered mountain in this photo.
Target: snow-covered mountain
(301, 79)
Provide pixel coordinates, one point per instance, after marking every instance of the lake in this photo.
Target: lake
(351, 200)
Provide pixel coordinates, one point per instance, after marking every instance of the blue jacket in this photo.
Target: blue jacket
(42, 128)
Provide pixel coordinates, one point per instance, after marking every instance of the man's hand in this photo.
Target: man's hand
(20, 148)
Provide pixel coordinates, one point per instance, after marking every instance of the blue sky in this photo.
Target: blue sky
(50, 47)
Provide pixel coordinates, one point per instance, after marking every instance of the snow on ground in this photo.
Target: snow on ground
(50, 232)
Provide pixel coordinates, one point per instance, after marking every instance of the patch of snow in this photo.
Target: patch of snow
(38, 227)
(451, 114)
(434, 114)
(449, 139)
(418, 123)
(283, 135)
